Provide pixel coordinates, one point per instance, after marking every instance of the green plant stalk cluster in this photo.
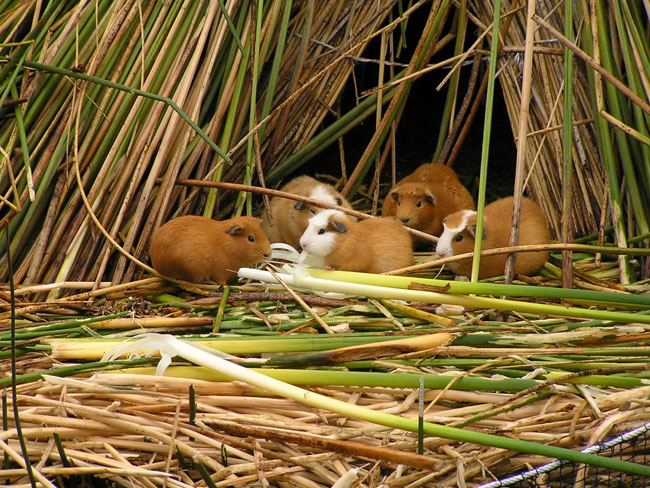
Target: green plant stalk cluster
(489, 289)
(218, 367)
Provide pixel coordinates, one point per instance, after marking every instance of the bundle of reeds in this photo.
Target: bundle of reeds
(97, 90)
(536, 385)
(585, 110)
(97, 99)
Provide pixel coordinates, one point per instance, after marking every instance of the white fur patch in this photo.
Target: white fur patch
(444, 248)
(314, 242)
(323, 193)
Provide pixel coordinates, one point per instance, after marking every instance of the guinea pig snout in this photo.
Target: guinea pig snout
(443, 251)
(405, 220)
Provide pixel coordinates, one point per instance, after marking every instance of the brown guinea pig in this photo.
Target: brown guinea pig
(289, 218)
(369, 246)
(460, 232)
(201, 250)
(425, 197)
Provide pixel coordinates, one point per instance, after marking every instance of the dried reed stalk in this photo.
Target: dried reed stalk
(193, 54)
(242, 429)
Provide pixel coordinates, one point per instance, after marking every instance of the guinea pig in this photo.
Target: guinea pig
(425, 197)
(369, 246)
(200, 250)
(460, 232)
(288, 218)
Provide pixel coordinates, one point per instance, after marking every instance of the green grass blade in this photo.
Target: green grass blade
(485, 147)
(135, 91)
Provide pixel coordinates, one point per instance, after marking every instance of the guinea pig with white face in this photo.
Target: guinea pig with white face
(369, 246)
(288, 218)
(459, 235)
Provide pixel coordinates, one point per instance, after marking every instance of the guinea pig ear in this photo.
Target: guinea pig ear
(395, 196)
(472, 230)
(299, 205)
(235, 230)
(338, 226)
(431, 198)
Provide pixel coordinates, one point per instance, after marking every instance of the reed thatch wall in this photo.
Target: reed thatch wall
(122, 143)
(543, 162)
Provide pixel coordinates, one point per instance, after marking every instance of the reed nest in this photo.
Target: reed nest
(553, 381)
(117, 116)
(142, 435)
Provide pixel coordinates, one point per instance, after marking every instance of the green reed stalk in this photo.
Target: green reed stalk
(277, 63)
(231, 25)
(606, 145)
(252, 153)
(636, 54)
(171, 347)
(24, 146)
(134, 91)
(452, 91)
(13, 379)
(376, 291)
(495, 289)
(567, 147)
(619, 108)
(237, 104)
(42, 330)
(94, 348)
(485, 147)
(75, 370)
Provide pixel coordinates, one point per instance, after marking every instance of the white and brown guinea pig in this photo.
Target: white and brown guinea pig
(369, 246)
(460, 231)
(425, 197)
(201, 250)
(289, 218)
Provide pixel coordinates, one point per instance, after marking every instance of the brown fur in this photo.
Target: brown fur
(371, 246)
(287, 223)
(201, 250)
(437, 191)
(496, 227)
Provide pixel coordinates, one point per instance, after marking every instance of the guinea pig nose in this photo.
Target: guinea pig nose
(405, 220)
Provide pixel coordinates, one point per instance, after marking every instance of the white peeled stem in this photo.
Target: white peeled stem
(286, 252)
(348, 479)
(280, 250)
(264, 276)
(293, 279)
(302, 279)
(170, 346)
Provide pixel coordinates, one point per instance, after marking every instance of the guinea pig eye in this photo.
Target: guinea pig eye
(251, 238)
(321, 231)
(459, 238)
(419, 204)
